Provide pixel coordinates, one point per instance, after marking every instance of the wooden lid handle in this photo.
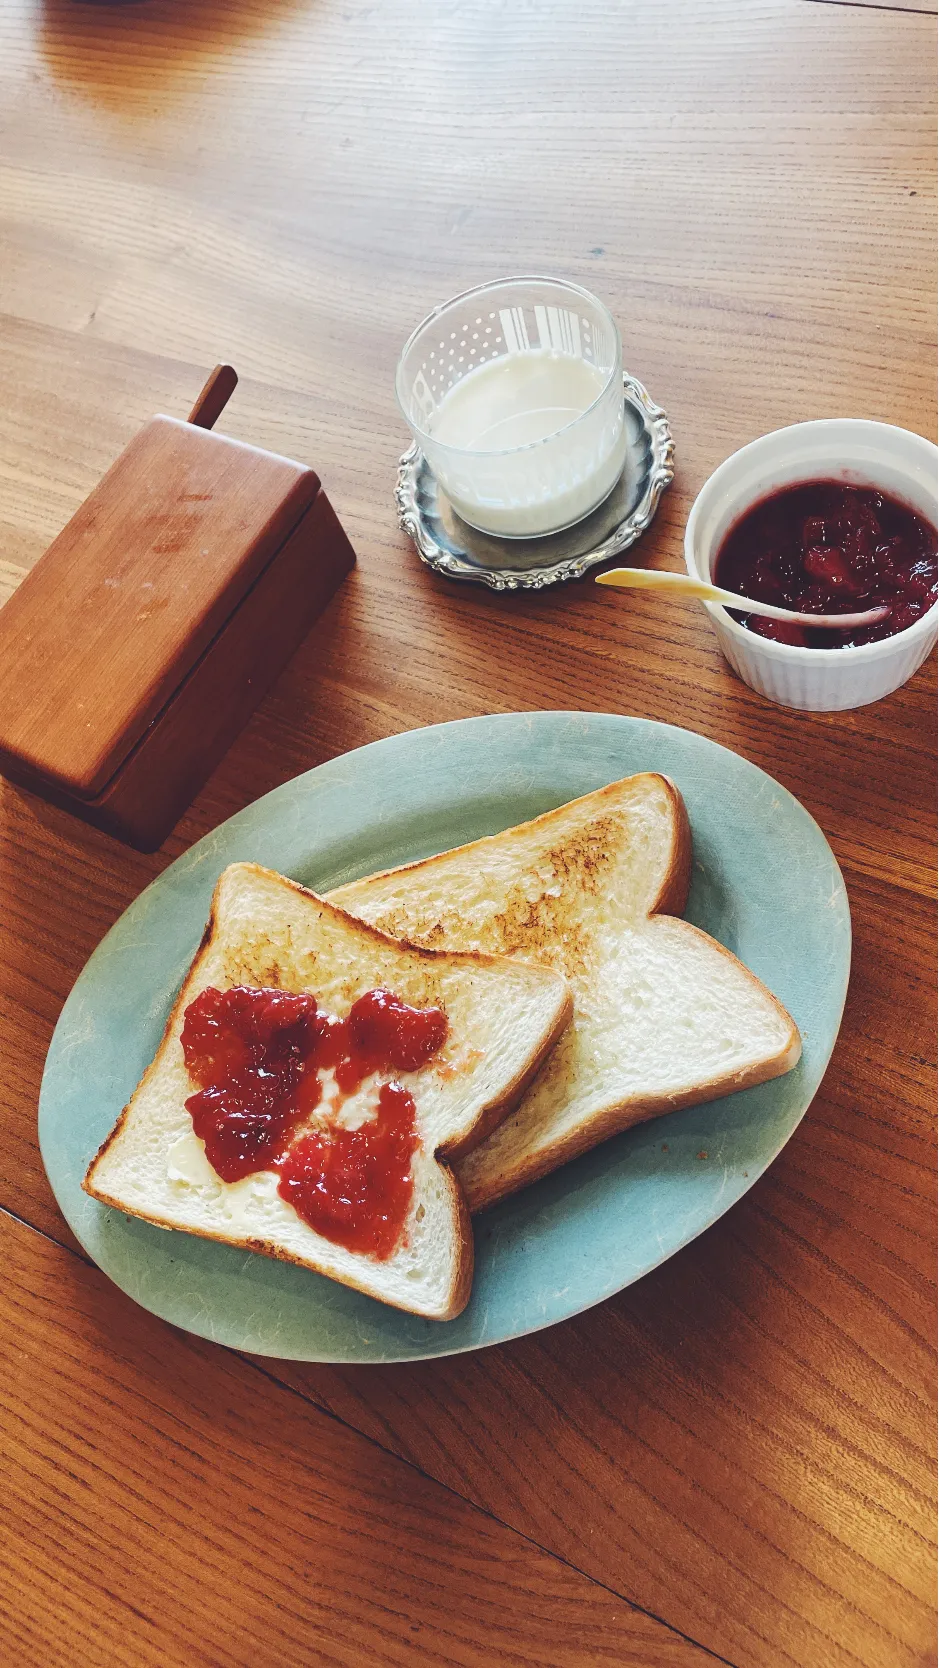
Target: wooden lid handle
(214, 397)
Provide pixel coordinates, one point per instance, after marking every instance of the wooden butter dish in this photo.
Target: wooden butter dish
(141, 642)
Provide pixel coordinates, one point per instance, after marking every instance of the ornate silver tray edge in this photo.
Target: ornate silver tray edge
(625, 533)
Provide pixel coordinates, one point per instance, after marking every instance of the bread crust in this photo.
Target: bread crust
(676, 882)
(669, 899)
(460, 1286)
(489, 1116)
(497, 1111)
(626, 1114)
(673, 891)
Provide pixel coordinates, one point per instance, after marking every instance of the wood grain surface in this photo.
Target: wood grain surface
(232, 1523)
(171, 539)
(734, 1458)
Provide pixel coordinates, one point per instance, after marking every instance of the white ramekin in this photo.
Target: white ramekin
(838, 448)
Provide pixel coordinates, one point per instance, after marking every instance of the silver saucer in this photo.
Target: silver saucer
(445, 542)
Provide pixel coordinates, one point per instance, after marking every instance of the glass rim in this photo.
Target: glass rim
(481, 289)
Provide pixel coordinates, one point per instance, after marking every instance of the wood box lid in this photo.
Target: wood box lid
(104, 628)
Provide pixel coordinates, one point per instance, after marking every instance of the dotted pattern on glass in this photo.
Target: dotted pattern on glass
(531, 487)
(488, 335)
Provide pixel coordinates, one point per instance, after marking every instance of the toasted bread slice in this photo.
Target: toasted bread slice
(663, 1016)
(503, 1018)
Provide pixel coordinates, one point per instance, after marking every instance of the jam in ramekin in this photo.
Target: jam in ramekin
(823, 547)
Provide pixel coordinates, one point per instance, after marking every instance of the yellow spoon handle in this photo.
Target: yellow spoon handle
(656, 579)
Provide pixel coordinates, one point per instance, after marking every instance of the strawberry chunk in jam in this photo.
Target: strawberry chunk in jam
(385, 1030)
(354, 1186)
(257, 1056)
(249, 1051)
(824, 547)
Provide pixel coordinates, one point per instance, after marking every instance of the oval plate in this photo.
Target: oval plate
(765, 884)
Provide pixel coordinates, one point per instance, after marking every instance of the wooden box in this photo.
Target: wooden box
(143, 639)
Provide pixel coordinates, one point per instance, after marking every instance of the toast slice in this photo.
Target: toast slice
(502, 1016)
(664, 1016)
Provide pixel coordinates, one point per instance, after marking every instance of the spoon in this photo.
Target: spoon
(682, 585)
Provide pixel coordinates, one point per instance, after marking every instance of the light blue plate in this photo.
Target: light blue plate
(765, 884)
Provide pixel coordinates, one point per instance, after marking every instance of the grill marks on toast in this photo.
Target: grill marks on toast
(581, 889)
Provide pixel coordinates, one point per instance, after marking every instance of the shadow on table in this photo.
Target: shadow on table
(118, 51)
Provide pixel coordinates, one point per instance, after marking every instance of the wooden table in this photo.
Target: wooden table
(731, 1460)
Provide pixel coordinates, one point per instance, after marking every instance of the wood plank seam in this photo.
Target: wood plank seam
(735, 1567)
(540, 1389)
(321, 1407)
(869, 6)
(63, 1245)
(401, 1459)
